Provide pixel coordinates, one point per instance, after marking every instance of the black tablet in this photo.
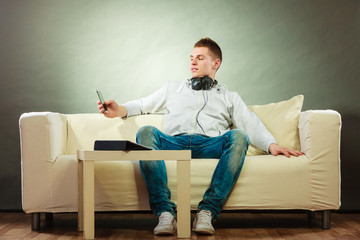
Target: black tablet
(119, 145)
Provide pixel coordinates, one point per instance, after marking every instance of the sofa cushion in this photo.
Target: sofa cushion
(282, 120)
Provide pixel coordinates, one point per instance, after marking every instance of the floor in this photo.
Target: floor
(231, 225)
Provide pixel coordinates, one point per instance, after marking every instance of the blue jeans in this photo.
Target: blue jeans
(230, 148)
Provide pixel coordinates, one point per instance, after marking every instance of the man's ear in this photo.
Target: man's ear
(217, 64)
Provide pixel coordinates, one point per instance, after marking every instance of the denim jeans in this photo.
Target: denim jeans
(230, 148)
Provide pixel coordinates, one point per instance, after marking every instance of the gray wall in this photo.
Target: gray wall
(53, 54)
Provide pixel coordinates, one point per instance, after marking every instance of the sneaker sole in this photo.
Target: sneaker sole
(165, 233)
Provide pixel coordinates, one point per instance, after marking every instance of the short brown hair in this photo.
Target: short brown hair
(212, 46)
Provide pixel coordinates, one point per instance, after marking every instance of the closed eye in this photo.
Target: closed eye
(200, 57)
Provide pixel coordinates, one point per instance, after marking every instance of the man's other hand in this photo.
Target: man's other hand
(113, 109)
(275, 150)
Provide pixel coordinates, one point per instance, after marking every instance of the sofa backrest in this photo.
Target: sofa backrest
(281, 119)
(84, 129)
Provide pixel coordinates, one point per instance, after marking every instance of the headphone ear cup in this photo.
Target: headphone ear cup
(196, 84)
(206, 83)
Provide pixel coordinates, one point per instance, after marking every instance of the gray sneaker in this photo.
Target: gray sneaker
(166, 225)
(202, 223)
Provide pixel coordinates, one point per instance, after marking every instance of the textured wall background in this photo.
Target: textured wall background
(54, 54)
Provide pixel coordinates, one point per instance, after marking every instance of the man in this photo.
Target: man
(199, 115)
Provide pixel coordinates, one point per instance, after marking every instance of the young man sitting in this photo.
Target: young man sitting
(199, 113)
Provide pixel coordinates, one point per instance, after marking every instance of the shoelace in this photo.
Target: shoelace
(165, 219)
(204, 216)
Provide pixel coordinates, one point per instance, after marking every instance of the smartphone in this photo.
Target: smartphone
(101, 98)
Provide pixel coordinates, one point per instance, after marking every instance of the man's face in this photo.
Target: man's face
(202, 63)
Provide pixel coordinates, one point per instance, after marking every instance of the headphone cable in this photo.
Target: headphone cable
(197, 115)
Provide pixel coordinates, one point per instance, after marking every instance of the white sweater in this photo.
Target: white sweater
(222, 109)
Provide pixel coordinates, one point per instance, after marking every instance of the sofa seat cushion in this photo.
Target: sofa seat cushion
(265, 182)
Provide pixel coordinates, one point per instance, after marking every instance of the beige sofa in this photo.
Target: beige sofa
(310, 182)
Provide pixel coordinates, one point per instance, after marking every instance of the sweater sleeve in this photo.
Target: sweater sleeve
(150, 104)
(243, 118)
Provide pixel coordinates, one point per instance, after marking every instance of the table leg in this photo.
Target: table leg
(88, 200)
(80, 197)
(183, 199)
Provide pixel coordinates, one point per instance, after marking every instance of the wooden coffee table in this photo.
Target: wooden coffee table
(86, 160)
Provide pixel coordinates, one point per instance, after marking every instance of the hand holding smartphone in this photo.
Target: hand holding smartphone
(101, 98)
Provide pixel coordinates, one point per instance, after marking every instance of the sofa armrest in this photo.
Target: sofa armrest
(319, 132)
(42, 139)
(44, 132)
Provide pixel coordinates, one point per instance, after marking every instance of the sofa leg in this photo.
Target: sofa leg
(35, 221)
(326, 219)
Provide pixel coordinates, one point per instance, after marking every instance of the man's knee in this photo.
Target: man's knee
(146, 131)
(147, 136)
(240, 137)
